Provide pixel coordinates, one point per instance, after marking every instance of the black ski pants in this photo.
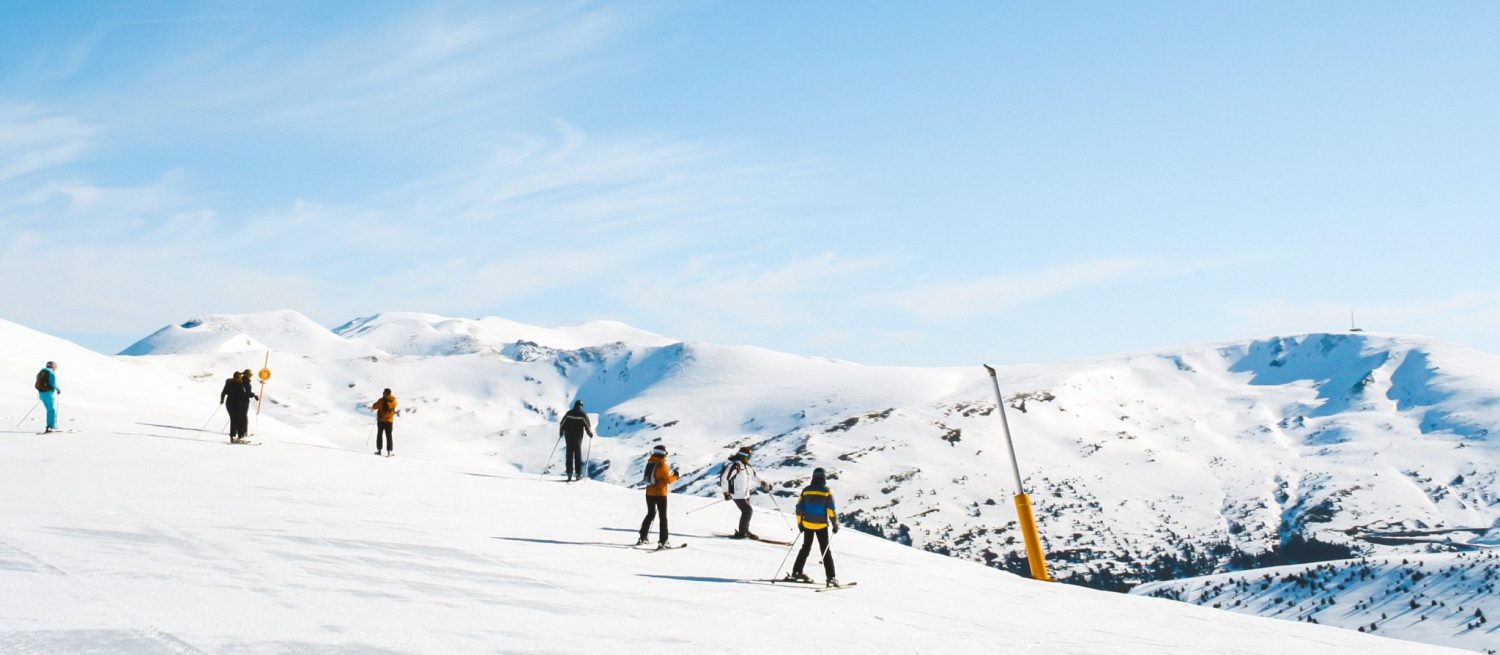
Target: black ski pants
(239, 418)
(807, 541)
(383, 429)
(655, 505)
(573, 457)
(745, 512)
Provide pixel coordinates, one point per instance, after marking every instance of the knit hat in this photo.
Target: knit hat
(659, 450)
(819, 477)
(578, 404)
(743, 454)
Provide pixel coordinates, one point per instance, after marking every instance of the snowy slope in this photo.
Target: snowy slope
(282, 331)
(1198, 454)
(1148, 466)
(149, 543)
(1446, 598)
(122, 394)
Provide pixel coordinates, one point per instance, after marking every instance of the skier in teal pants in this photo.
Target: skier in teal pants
(46, 387)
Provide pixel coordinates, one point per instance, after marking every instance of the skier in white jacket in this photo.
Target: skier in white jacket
(737, 480)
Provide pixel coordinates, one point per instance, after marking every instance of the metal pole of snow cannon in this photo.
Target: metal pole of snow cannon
(265, 376)
(28, 413)
(1034, 556)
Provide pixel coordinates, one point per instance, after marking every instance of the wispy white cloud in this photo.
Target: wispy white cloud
(421, 67)
(1459, 312)
(997, 293)
(33, 140)
(543, 213)
(736, 298)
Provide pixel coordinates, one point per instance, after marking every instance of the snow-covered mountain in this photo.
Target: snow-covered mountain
(1446, 598)
(1149, 466)
(139, 533)
(281, 331)
(407, 333)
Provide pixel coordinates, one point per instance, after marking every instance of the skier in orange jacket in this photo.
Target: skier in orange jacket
(658, 475)
(385, 422)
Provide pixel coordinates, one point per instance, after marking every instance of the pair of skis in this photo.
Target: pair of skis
(801, 585)
(760, 539)
(657, 548)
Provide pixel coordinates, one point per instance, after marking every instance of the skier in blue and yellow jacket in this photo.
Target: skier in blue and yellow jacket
(815, 515)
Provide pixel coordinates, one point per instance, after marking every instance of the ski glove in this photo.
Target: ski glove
(726, 495)
(835, 528)
(765, 486)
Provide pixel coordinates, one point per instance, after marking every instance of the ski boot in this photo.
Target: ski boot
(833, 582)
(642, 541)
(796, 576)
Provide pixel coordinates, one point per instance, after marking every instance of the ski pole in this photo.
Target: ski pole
(369, 437)
(783, 561)
(204, 428)
(588, 458)
(828, 547)
(706, 506)
(777, 505)
(549, 459)
(28, 413)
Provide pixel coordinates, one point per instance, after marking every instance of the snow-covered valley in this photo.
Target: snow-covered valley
(1445, 598)
(1150, 466)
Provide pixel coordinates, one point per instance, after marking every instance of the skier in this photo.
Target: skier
(236, 398)
(573, 426)
(737, 480)
(47, 390)
(659, 475)
(249, 379)
(815, 513)
(385, 419)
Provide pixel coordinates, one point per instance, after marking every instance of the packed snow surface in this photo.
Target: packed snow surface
(135, 539)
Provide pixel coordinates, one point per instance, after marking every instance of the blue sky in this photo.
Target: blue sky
(913, 183)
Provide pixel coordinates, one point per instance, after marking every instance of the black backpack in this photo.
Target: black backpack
(43, 381)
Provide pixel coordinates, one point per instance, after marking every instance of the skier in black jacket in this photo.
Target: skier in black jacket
(236, 398)
(249, 379)
(573, 426)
